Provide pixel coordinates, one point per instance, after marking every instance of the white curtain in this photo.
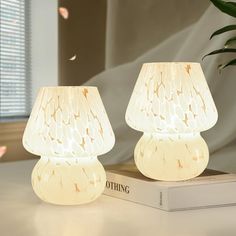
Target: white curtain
(189, 44)
(133, 27)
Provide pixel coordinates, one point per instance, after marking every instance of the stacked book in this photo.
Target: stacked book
(212, 188)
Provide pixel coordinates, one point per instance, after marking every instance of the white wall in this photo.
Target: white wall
(44, 47)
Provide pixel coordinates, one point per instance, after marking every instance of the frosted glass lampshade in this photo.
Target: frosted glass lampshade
(68, 127)
(171, 103)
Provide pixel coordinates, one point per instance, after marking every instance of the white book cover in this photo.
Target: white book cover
(212, 188)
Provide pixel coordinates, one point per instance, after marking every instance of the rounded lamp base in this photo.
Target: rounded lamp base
(68, 180)
(171, 157)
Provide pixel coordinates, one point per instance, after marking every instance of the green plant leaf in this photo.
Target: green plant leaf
(222, 50)
(223, 30)
(230, 63)
(230, 41)
(226, 7)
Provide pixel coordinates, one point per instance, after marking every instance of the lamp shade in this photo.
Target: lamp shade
(171, 98)
(68, 122)
(171, 103)
(68, 127)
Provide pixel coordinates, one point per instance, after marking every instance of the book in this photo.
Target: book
(212, 188)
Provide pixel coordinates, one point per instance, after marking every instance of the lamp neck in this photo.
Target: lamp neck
(71, 160)
(173, 136)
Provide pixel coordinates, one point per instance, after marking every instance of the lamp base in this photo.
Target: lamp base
(171, 157)
(68, 180)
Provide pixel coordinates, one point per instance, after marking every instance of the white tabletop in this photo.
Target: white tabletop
(23, 214)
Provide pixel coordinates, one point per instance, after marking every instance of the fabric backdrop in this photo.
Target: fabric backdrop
(189, 45)
(133, 27)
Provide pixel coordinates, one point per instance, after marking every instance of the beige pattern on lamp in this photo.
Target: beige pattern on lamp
(171, 103)
(68, 127)
(68, 121)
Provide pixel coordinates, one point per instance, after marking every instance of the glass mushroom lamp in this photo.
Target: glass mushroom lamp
(171, 103)
(68, 127)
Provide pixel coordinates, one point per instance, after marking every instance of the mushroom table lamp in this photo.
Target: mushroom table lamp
(171, 103)
(68, 127)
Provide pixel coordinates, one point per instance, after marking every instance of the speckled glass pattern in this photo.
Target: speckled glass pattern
(171, 103)
(171, 98)
(68, 127)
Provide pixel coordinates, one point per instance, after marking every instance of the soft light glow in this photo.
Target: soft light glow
(69, 128)
(171, 103)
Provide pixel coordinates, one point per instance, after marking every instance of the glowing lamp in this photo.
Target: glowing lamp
(68, 127)
(171, 103)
